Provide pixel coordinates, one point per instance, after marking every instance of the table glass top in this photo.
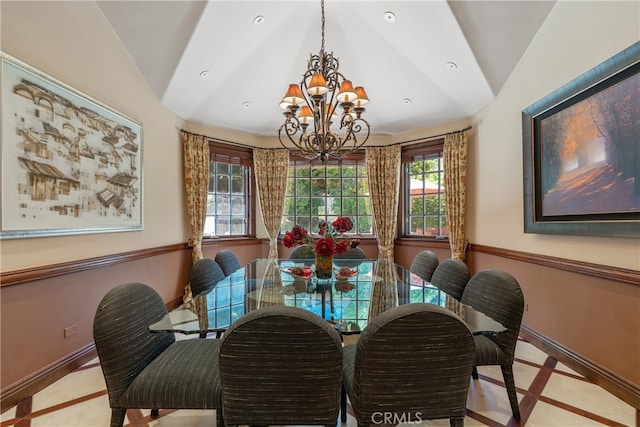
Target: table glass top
(365, 289)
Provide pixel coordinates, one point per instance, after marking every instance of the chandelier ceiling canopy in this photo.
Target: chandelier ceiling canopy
(312, 121)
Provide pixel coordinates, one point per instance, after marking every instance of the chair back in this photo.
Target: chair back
(121, 333)
(497, 294)
(205, 275)
(280, 365)
(423, 353)
(301, 252)
(228, 261)
(451, 276)
(351, 258)
(424, 264)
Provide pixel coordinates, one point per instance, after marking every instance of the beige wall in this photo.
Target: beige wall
(577, 36)
(72, 42)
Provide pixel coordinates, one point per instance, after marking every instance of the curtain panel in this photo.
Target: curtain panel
(196, 180)
(383, 171)
(271, 169)
(455, 177)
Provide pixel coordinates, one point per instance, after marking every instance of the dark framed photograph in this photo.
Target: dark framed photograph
(70, 165)
(581, 153)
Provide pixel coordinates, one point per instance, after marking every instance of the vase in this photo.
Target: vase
(324, 266)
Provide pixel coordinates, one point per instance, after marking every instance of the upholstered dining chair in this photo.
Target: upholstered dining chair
(497, 294)
(301, 252)
(146, 370)
(280, 365)
(451, 276)
(413, 360)
(424, 264)
(228, 261)
(204, 276)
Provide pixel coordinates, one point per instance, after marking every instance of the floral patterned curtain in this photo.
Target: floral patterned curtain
(455, 177)
(271, 168)
(196, 180)
(383, 171)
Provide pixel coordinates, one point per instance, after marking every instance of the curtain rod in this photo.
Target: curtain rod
(428, 138)
(219, 139)
(423, 139)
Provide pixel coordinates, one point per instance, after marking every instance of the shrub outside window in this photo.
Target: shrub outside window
(317, 192)
(424, 191)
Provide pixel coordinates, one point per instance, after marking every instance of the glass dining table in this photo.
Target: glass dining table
(358, 291)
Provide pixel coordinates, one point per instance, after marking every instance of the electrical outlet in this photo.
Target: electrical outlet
(71, 330)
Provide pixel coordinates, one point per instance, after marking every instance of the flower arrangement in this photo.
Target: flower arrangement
(331, 241)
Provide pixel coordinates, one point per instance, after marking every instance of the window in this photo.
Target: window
(228, 201)
(318, 192)
(424, 191)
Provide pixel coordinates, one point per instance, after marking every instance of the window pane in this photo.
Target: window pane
(318, 186)
(333, 187)
(432, 205)
(223, 184)
(222, 205)
(237, 225)
(236, 170)
(302, 206)
(237, 185)
(348, 187)
(302, 187)
(222, 168)
(211, 204)
(417, 225)
(237, 205)
(349, 207)
(222, 224)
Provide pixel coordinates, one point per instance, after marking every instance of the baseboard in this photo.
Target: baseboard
(613, 383)
(18, 391)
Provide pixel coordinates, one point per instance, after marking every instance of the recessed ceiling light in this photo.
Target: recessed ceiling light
(205, 73)
(258, 20)
(452, 65)
(389, 16)
(246, 104)
(406, 101)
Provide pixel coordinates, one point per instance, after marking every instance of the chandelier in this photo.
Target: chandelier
(311, 120)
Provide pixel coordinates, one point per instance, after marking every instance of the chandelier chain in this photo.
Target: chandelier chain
(322, 11)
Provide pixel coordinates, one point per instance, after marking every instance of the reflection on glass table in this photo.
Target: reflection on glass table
(347, 300)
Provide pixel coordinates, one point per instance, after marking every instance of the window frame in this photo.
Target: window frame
(410, 153)
(236, 155)
(356, 159)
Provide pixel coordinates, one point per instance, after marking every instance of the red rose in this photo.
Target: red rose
(342, 224)
(325, 247)
(342, 247)
(288, 241)
(298, 232)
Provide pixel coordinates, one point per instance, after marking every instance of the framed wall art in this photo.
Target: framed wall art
(70, 165)
(581, 153)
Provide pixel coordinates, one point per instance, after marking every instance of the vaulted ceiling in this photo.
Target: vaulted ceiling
(214, 63)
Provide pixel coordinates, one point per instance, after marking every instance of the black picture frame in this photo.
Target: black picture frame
(581, 153)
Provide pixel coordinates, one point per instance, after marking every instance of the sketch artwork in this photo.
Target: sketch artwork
(69, 165)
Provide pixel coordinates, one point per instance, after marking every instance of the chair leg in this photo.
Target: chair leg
(474, 373)
(343, 404)
(155, 413)
(456, 422)
(117, 416)
(510, 384)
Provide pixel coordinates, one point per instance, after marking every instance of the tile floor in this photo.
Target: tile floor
(550, 394)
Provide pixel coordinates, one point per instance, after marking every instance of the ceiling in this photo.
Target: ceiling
(403, 65)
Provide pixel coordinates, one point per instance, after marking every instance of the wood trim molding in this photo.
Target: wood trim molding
(606, 379)
(423, 243)
(16, 277)
(603, 271)
(17, 392)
